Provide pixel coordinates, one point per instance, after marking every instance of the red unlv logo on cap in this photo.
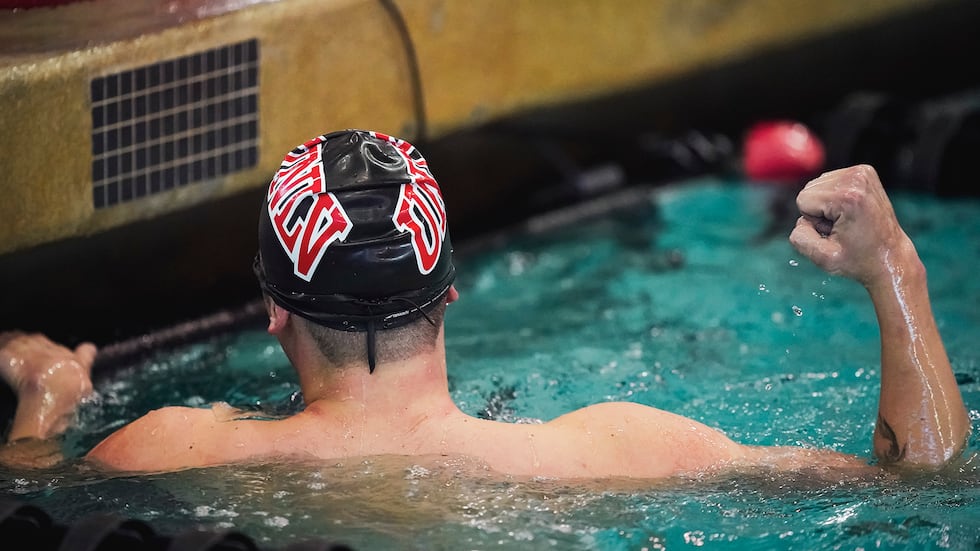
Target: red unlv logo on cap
(420, 209)
(305, 235)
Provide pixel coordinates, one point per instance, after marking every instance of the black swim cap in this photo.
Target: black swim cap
(353, 233)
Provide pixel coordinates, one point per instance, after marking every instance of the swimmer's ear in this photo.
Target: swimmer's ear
(453, 295)
(278, 316)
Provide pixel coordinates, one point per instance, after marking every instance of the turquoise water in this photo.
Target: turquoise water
(682, 300)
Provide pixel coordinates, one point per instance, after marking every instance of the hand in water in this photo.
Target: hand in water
(49, 379)
(847, 225)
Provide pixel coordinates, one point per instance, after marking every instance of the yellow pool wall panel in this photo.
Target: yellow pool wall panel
(323, 65)
(331, 64)
(481, 60)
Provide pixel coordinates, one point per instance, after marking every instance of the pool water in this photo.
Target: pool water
(690, 299)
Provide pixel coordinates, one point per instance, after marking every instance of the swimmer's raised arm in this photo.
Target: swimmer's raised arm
(848, 227)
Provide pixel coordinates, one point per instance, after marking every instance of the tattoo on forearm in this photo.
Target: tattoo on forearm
(884, 430)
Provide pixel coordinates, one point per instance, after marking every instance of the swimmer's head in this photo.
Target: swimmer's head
(353, 234)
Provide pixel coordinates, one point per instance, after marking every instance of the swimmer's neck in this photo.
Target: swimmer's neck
(418, 382)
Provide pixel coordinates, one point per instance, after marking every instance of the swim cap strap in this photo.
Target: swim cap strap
(371, 347)
(418, 309)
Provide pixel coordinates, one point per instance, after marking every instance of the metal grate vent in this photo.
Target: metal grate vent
(175, 122)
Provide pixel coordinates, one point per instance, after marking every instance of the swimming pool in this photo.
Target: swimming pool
(680, 298)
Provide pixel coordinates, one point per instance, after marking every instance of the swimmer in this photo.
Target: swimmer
(355, 266)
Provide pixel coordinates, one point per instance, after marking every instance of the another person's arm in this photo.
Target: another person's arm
(50, 381)
(848, 227)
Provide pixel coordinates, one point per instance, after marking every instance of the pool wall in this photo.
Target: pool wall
(108, 123)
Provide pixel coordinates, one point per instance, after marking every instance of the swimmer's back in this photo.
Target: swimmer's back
(615, 439)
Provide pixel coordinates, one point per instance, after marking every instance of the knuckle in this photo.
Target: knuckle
(865, 174)
(853, 195)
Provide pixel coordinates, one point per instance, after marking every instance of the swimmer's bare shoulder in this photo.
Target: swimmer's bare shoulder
(176, 437)
(625, 438)
(646, 442)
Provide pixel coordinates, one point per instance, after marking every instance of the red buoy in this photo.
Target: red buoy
(782, 152)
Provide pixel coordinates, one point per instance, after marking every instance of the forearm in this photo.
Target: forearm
(921, 416)
(42, 416)
(31, 443)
